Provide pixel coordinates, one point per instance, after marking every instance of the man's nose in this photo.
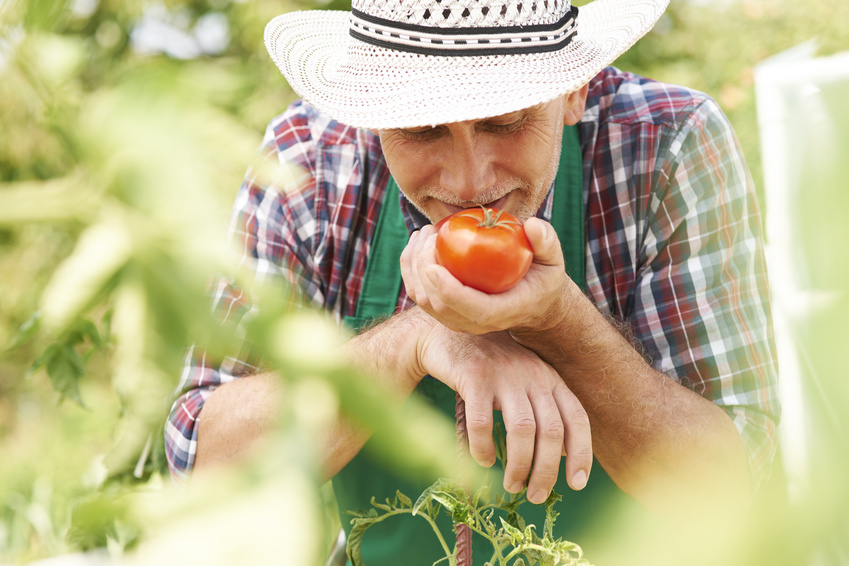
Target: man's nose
(468, 169)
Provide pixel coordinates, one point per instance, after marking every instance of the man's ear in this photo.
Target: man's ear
(573, 105)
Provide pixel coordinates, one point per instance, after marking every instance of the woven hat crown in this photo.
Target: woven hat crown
(465, 13)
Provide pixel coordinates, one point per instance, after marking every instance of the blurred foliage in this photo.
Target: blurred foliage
(118, 166)
(714, 47)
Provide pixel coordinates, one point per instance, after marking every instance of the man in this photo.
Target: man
(469, 103)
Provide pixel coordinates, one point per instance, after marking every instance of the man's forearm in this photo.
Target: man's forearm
(665, 445)
(239, 413)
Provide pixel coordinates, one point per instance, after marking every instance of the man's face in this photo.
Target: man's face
(506, 162)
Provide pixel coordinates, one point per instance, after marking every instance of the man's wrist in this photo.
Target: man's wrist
(396, 344)
(418, 326)
(560, 317)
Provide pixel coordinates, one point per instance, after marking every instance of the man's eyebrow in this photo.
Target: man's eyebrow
(522, 112)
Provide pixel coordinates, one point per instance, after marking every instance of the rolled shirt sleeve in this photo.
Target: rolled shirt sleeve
(262, 235)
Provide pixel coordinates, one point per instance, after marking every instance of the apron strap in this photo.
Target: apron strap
(567, 215)
(382, 280)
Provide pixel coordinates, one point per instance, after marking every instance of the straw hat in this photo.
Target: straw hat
(408, 63)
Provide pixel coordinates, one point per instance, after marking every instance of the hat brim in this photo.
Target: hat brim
(373, 87)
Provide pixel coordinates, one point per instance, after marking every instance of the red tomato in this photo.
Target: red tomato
(484, 248)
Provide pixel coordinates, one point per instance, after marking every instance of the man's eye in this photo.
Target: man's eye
(419, 133)
(507, 128)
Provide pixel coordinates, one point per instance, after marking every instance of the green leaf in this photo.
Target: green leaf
(515, 519)
(101, 251)
(26, 331)
(550, 514)
(487, 524)
(380, 505)
(65, 368)
(462, 513)
(446, 500)
(97, 518)
(83, 328)
(444, 491)
(358, 513)
(405, 501)
(54, 200)
(514, 533)
(543, 558)
(42, 360)
(44, 14)
(481, 496)
(354, 545)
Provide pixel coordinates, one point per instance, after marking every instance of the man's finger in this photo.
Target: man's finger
(577, 438)
(544, 242)
(464, 307)
(406, 265)
(520, 426)
(479, 429)
(549, 444)
(419, 292)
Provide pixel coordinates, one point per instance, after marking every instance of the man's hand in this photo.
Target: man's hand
(543, 419)
(541, 300)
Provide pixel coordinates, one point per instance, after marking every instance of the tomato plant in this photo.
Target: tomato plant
(489, 513)
(484, 248)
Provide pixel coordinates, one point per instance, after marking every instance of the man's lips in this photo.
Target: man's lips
(498, 204)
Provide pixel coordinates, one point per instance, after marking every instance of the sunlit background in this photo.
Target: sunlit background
(126, 128)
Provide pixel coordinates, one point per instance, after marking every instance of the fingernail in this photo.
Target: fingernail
(546, 233)
(516, 487)
(579, 480)
(539, 496)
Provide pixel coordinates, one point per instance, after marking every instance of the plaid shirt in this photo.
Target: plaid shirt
(673, 244)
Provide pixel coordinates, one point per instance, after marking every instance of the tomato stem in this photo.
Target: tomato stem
(488, 220)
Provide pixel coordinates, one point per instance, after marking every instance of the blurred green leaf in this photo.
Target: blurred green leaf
(101, 251)
(56, 58)
(44, 14)
(26, 331)
(83, 329)
(64, 367)
(99, 517)
(61, 199)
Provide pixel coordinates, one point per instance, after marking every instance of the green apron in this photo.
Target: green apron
(410, 541)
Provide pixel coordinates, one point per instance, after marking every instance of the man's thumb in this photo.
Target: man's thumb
(544, 241)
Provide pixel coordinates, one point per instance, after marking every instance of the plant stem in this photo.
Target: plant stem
(436, 530)
(522, 548)
(448, 552)
(489, 537)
